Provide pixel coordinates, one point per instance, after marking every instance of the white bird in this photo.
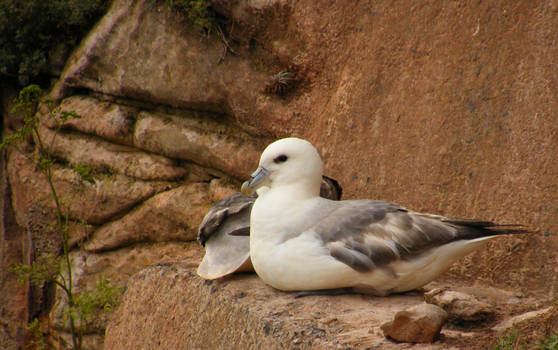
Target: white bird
(232, 214)
(302, 242)
(224, 232)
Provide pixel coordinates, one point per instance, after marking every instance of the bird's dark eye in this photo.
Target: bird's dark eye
(280, 159)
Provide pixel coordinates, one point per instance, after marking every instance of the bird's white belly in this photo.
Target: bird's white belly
(300, 263)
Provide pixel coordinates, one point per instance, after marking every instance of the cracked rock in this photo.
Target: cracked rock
(171, 215)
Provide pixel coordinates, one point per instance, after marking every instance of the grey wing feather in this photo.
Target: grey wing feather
(236, 206)
(369, 234)
(330, 189)
(233, 212)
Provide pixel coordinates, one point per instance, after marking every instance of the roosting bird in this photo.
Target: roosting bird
(225, 229)
(302, 242)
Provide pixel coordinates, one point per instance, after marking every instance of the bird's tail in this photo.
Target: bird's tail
(471, 229)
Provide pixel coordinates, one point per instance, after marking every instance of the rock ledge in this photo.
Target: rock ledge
(167, 306)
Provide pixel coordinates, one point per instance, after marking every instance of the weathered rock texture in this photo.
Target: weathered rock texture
(447, 108)
(117, 266)
(418, 324)
(461, 307)
(15, 247)
(514, 321)
(171, 307)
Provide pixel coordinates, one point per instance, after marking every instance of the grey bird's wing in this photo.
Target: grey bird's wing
(366, 234)
(224, 234)
(231, 214)
(225, 230)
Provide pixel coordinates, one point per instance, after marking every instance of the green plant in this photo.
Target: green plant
(104, 297)
(57, 269)
(550, 343)
(509, 342)
(198, 12)
(39, 332)
(32, 30)
(85, 172)
(280, 83)
(201, 15)
(512, 341)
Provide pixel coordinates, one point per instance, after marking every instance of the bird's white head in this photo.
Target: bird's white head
(288, 162)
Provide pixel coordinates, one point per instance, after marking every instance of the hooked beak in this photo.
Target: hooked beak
(259, 178)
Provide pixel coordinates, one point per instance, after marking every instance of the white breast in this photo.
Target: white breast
(287, 259)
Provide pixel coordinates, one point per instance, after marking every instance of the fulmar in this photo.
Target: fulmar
(225, 229)
(302, 242)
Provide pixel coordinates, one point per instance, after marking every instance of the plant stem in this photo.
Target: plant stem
(67, 284)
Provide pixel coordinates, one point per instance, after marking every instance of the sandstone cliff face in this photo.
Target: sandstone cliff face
(448, 108)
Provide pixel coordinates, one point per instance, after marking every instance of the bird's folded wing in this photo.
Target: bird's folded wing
(227, 208)
(369, 234)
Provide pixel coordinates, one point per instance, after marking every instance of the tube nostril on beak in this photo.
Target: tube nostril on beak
(257, 179)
